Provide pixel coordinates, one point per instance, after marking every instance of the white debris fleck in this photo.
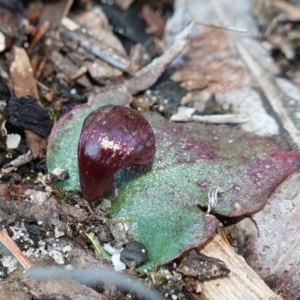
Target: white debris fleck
(111, 250)
(71, 25)
(57, 247)
(37, 252)
(69, 267)
(28, 252)
(105, 205)
(13, 140)
(212, 199)
(297, 114)
(2, 42)
(29, 198)
(19, 232)
(185, 111)
(57, 256)
(10, 263)
(58, 233)
(41, 243)
(288, 88)
(118, 265)
(66, 248)
(199, 288)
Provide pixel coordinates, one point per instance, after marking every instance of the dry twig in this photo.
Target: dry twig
(10, 244)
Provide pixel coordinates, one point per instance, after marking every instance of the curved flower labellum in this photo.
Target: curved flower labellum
(111, 137)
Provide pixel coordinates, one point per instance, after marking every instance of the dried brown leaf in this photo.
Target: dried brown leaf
(22, 75)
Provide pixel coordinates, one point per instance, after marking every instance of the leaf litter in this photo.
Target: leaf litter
(75, 66)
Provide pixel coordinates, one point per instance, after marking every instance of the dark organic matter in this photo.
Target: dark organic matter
(203, 267)
(25, 113)
(134, 254)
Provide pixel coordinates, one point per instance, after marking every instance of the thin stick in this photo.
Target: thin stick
(211, 24)
(10, 244)
(287, 7)
(221, 27)
(42, 30)
(212, 119)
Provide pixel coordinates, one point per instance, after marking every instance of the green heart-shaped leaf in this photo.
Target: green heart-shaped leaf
(162, 203)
